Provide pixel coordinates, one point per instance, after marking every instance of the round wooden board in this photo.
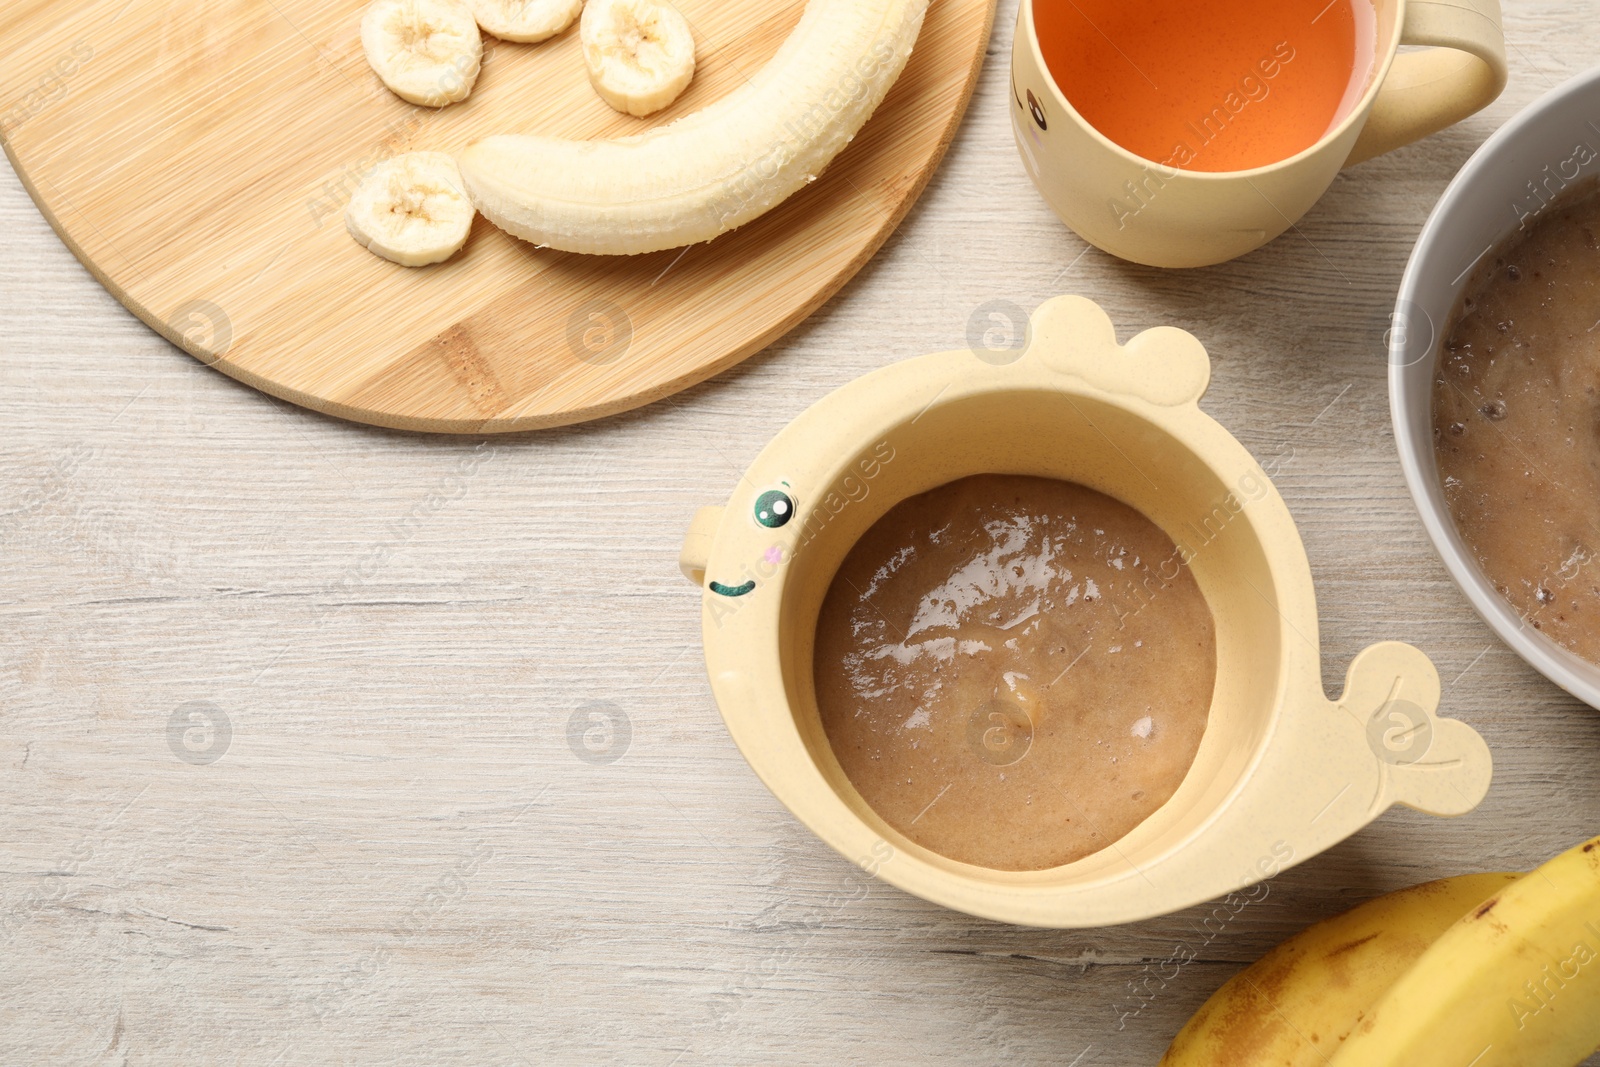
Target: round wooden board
(197, 156)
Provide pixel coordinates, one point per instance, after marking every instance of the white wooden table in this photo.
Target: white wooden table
(385, 850)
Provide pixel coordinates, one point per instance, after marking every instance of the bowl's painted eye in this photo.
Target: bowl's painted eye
(774, 508)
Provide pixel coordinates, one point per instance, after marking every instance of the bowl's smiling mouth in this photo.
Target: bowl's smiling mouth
(731, 590)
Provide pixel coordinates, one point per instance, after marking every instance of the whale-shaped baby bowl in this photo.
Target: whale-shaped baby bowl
(1282, 772)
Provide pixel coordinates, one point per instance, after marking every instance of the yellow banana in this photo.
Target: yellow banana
(1515, 983)
(1298, 1003)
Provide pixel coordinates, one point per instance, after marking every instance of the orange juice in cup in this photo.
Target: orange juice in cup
(1180, 133)
(1225, 85)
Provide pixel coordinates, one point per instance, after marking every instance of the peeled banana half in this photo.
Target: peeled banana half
(715, 169)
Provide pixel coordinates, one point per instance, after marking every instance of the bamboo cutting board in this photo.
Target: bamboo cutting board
(197, 156)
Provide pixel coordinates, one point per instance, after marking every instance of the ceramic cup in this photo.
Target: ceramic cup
(1282, 772)
(1149, 213)
(1551, 146)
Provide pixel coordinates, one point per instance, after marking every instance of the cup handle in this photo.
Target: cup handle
(697, 544)
(1426, 91)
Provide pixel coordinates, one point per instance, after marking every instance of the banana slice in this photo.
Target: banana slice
(715, 169)
(427, 51)
(525, 21)
(640, 53)
(412, 210)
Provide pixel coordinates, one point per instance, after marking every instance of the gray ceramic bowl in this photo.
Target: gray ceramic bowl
(1550, 146)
